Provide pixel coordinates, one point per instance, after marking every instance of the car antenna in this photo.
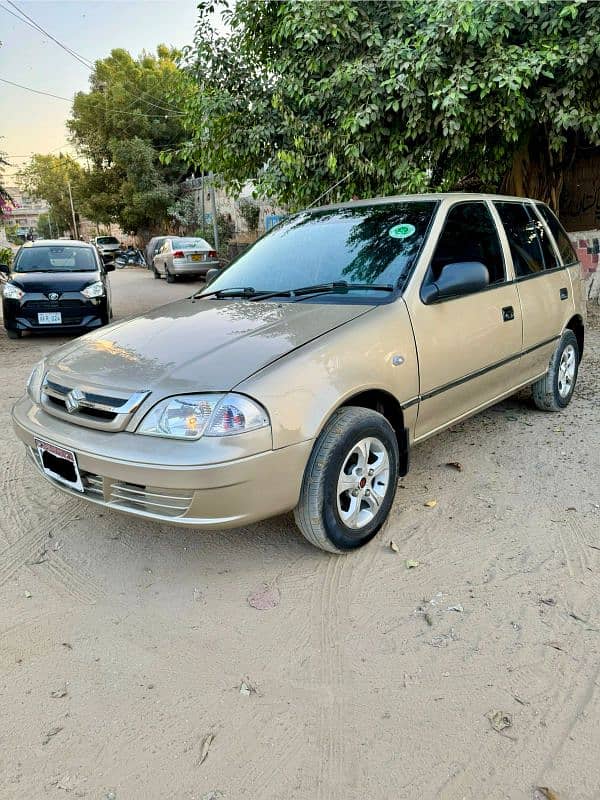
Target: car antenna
(331, 188)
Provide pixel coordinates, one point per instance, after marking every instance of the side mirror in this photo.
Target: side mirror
(457, 279)
(109, 266)
(212, 274)
(4, 269)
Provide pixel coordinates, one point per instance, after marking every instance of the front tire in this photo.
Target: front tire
(14, 334)
(554, 390)
(350, 481)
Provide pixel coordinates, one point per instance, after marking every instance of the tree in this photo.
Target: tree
(185, 213)
(121, 126)
(47, 177)
(250, 211)
(45, 228)
(5, 198)
(388, 97)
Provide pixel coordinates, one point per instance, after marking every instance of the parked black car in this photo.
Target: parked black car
(54, 285)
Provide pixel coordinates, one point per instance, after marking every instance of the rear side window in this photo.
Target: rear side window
(469, 234)
(565, 248)
(523, 238)
(548, 251)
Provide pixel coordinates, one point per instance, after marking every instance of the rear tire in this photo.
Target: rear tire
(14, 334)
(350, 481)
(156, 273)
(170, 278)
(554, 390)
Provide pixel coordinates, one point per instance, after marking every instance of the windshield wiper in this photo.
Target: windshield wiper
(335, 287)
(234, 291)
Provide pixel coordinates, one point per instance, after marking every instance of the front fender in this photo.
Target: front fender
(303, 388)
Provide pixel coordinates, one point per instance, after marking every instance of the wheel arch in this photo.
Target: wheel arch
(388, 406)
(576, 325)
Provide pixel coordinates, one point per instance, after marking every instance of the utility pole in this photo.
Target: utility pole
(214, 209)
(203, 211)
(72, 210)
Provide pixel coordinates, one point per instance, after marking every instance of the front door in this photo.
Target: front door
(469, 347)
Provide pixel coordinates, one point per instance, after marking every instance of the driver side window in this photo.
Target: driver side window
(469, 234)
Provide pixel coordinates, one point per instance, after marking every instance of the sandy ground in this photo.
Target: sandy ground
(366, 684)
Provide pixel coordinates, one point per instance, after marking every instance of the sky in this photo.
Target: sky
(31, 123)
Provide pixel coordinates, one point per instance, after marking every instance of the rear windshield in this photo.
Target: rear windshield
(55, 258)
(107, 240)
(185, 243)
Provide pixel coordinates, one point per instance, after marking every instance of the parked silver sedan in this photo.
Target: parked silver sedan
(184, 256)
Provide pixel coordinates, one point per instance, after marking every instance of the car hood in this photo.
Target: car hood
(43, 282)
(193, 346)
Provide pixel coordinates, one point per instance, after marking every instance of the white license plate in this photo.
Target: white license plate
(59, 464)
(51, 318)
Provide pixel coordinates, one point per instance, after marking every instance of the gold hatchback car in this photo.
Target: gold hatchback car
(304, 374)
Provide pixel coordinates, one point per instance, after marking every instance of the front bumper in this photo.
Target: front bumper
(216, 495)
(77, 312)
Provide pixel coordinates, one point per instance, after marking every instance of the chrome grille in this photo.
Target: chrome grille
(123, 496)
(108, 412)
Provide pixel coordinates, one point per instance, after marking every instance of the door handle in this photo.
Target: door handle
(564, 293)
(508, 313)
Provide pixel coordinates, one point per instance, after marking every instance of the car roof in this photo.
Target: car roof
(59, 243)
(404, 198)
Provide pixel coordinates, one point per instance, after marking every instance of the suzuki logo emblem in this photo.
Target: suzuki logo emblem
(53, 296)
(73, 400)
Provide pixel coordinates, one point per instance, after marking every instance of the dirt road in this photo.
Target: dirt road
(123, 644)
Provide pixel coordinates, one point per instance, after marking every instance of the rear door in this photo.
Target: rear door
(467, 346)
(543, 284)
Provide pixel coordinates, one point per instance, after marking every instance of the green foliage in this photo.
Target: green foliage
(5, 198)
(6, 256)
(47, 177)
(11, 233)
(225, 229)
(399, 96)
(45, 229)
(122, 125)
(184, 211)
(250, 211)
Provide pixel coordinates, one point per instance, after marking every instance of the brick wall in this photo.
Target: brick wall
(587, 245)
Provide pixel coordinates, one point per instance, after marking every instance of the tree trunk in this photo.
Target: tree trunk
(536, 171)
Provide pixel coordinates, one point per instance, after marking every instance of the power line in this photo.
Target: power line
(37, 91)
(70, 100)
(35, 24)
(27, 20)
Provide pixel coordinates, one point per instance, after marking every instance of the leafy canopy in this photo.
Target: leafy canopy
(121, 126)
(399, 96)
(47, 177)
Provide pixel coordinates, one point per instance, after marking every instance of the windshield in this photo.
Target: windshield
(55, 259)
(190, 244)
(107, 240)
(372, 245)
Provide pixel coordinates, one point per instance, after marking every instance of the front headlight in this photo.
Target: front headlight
(93, 290)
(12, 292)
(34, 384)
(195, 415)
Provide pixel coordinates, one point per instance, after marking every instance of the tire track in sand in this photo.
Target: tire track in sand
(20, 513)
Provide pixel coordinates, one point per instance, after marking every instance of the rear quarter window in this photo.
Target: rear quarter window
(565, 248)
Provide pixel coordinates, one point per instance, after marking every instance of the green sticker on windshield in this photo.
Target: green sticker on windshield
(402, 231)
